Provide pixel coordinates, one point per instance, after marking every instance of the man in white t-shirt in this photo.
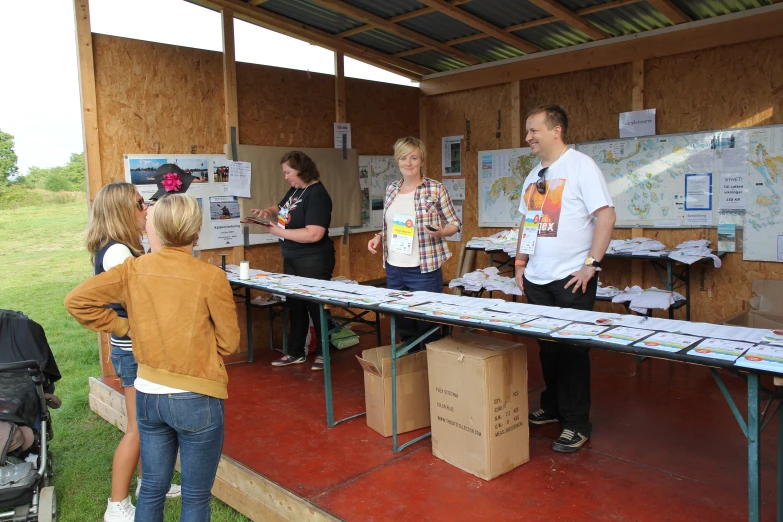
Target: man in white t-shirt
(566, 201)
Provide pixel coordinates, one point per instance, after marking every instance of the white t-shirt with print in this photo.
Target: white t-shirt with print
(575, 189)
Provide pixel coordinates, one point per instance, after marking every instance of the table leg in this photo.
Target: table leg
(249, 319)
(327, 365)
(754, 446)
(378, 327)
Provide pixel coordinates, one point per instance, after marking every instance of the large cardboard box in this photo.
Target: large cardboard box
(766, 307)
(413, 403)
(478, 403)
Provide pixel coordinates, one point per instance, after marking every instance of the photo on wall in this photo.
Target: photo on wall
(196, 167)
(142, 170)
(220, 170)
(223, 207)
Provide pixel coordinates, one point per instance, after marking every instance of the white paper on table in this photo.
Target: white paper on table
(509, 320)
(524, 308)
(667, 342)
(623, 335)
(579, 331)
(720, 349)
(239, 179)
(763, 357)
(772, 336)
(542, 325)
(722, 331)
(663, 325)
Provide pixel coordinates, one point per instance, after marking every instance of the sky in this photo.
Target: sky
(39, 84)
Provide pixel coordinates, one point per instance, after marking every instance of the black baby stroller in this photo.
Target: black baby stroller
(27, 375)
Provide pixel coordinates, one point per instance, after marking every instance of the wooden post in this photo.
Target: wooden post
(516, 115)
(92, 153)
(637, 104)
(340, 116)
(231, 114)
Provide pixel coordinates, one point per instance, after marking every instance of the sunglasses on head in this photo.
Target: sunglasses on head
(541, 183)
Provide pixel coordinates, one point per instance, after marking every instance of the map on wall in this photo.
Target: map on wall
(763, 235)
(500, 177)
(375, 174)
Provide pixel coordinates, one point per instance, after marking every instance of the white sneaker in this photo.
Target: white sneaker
(120, 511)
(174, 491)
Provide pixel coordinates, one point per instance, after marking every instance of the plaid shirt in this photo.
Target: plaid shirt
(433, 207)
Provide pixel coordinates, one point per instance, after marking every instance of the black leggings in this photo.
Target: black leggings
(316, 266)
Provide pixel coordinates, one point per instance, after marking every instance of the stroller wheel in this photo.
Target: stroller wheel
(47, 505)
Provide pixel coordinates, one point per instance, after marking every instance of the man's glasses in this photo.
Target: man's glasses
(541, 183)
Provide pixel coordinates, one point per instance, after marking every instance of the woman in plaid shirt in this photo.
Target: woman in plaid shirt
(417, 215)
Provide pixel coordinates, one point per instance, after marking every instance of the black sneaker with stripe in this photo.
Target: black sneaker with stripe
(539, 417)
(569, 441)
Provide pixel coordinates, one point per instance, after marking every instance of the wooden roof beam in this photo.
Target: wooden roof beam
(482, 25)
(670, 11)
(377, 21)
(315, 36)
(568, 16)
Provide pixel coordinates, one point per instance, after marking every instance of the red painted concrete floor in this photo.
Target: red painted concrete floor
(665, 446)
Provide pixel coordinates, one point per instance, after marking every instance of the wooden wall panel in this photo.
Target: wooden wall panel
(282, 107)
(593, 100)
(732, 86)
(156, 98)
(380, 114)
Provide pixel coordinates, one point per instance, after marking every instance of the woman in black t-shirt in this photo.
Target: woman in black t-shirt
(301, 220)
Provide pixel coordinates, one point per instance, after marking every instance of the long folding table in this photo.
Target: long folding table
(752, 426)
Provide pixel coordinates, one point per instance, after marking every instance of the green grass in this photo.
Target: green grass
(43, 257)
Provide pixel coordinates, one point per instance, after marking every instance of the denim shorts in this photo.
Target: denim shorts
(125, 366)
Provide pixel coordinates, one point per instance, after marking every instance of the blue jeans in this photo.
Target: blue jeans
(192, 423)
(411, 278)
(125, 366)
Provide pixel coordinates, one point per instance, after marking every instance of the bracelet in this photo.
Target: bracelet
(520, 262)
(378, 234)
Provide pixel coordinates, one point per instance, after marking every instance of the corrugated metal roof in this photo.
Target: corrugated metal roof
(702, 9)
(489, 49)
(629, 19)
(383, 41)
(439, 26)
(616, 21)
(553, 36)
(435, 60)
(312, 14)
(576, 5)
(504, 13)
(387, 8)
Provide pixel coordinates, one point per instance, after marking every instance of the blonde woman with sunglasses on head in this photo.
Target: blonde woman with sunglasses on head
(117, 221)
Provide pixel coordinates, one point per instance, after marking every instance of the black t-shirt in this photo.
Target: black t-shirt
(308, 206)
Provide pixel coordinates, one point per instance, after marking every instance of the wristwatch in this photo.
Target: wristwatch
(592, 262)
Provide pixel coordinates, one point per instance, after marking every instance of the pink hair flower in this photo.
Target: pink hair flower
(171, 182)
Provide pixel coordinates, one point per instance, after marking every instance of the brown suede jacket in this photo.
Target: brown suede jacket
(181, 317)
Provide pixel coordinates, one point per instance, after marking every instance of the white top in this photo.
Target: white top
(403, 204)
(116, 255)
(575, 189)
(145, 386)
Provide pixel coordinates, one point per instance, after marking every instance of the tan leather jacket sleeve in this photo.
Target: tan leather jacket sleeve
(87, 302)
(223, 312)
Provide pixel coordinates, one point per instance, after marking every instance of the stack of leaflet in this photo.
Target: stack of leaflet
(638, 246)
(488, 279)
(607, 291)
(505, 240)
(642, 300)
(693, 251)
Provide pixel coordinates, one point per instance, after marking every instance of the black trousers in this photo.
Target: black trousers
(566, 367)
(316, 266)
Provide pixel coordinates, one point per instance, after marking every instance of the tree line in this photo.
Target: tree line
(69, 177)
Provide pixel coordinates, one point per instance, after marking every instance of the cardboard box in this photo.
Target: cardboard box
(478, 400)
(766, 307)
(413, 403)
